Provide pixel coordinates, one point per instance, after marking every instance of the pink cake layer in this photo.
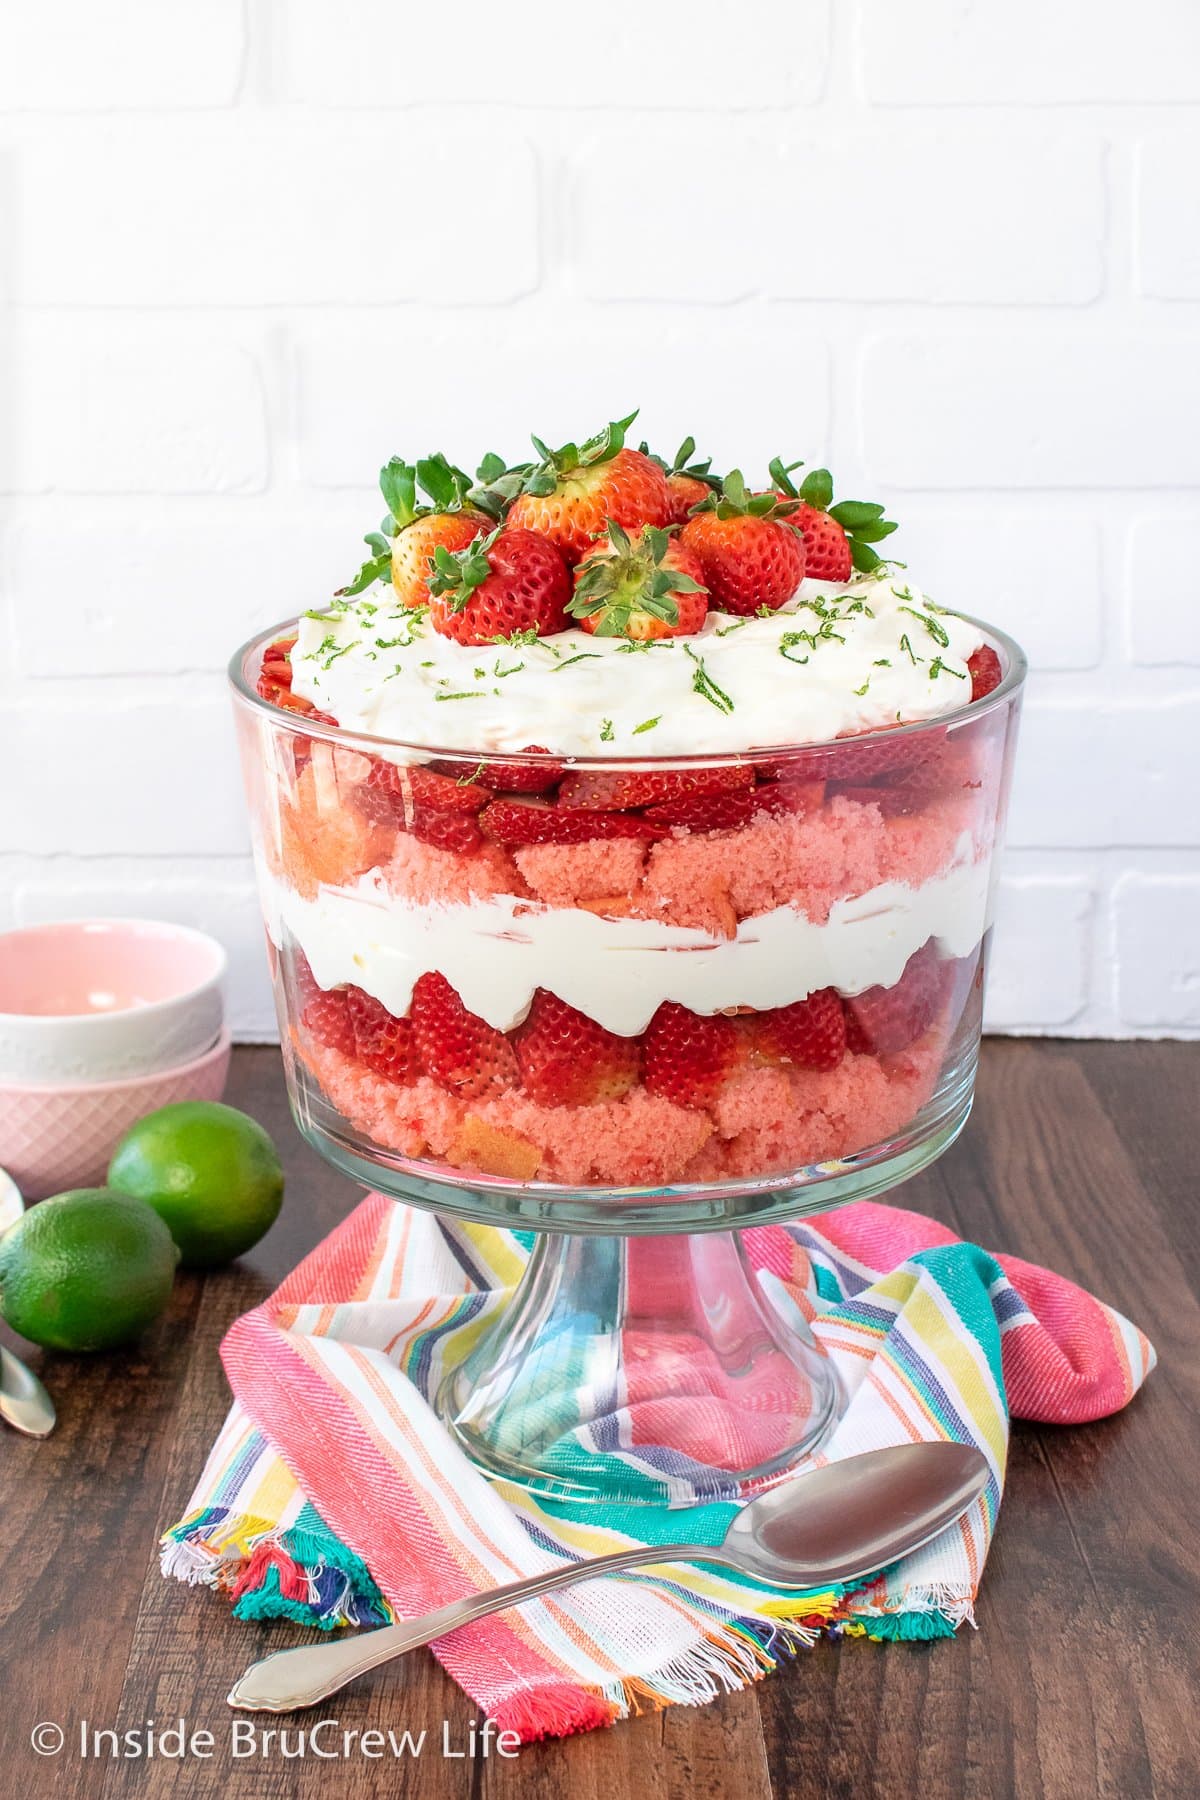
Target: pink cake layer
(702, 880)
(766, 1121)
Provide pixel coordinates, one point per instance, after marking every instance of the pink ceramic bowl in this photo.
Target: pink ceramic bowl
(54, 1137)
(90, 1000)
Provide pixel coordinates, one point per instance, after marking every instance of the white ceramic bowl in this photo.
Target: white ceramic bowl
(93, 1000)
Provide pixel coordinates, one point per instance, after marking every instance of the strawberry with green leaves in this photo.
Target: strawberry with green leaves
(748, 549)
(407, 538)
(648, 587)
(690, 483)
(509, 581)
(572, 493)
(837, 539)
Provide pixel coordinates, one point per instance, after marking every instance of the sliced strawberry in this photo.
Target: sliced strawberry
(514, 822)
(949, 768)
(432, 807)
(305, 983)
(391, 789)
(985, 671)
(616, 791)
(882, 1021)
(327, 1021)
(853, 759)
(505, 777)
(687, 1057)
(566, 1059)
(456, 1048)
(275, 682)
(383, 1042)
(726, 812)
(811, 1034)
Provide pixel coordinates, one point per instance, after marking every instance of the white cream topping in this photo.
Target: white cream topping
(833, 660)
(495, 952)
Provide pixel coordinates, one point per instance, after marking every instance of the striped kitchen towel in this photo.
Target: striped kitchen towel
(334, 1497)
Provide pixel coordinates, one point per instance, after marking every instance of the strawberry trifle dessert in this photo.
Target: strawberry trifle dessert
(627, 826)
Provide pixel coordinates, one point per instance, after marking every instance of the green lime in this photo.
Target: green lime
(211, 1174)
(86, 1270)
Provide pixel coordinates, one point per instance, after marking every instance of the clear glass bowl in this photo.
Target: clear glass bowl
(758, 994)
(621, 1033)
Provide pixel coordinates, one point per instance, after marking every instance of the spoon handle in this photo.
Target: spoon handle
(291, 1679)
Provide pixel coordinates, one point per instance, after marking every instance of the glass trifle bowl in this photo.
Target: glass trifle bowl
(632, 1003)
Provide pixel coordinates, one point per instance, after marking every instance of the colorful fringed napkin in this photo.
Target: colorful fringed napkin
(334, 1497)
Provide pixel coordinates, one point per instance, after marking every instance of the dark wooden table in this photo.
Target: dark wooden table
(1081, 1679)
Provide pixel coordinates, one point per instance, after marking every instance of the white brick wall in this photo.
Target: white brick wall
(249, 249)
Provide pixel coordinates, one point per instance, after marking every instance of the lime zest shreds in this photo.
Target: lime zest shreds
(704, 685)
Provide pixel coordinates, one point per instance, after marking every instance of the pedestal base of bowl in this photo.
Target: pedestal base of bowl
(642, 1359)
(663, 1370)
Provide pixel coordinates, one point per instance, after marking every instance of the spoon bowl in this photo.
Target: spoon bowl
(841, 1521)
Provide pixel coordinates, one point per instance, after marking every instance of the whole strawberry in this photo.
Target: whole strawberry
(750, 554)
(405, 543)
(689, 483)
(650, 587)
(574, 491)
(837, 539)
(511, 580)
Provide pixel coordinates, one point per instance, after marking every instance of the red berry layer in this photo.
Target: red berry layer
(693, 1097)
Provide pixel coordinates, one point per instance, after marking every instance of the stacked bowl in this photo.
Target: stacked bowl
(101, 1022)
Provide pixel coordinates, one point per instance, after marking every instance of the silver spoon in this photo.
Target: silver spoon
(24, 1402)
(837, 1523)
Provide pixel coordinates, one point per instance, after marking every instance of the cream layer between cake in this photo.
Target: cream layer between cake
(497, 951)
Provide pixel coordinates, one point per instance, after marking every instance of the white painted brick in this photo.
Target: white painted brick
(937, 52)
(1158, 950)
(122, 590)
(122, 777)
(1163, 590)
(1037, 576)
(1168, 246)
(115, 407)
(77, 55)
(1042, 408)
(224, 904)
(358, 403)
(1088, 776)
(1039, 971)
(891, 213)
(233, 211)
(635, 56)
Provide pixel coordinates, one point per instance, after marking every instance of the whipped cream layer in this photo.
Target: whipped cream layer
(496, 952)
(833, 660)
